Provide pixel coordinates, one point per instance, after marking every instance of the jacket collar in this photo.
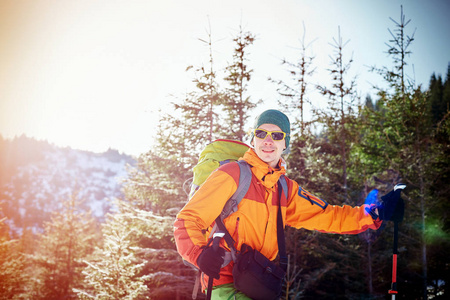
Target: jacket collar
(265, 174)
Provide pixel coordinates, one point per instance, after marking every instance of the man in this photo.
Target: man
(255, 222)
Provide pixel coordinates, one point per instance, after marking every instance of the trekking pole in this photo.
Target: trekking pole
(393, 291)
(397, 217)
(216, 240)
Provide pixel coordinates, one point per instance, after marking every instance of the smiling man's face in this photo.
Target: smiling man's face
(267, 149)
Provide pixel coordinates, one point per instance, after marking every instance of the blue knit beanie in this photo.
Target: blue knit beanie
(276, 117)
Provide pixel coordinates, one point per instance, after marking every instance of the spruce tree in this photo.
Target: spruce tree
(295, 92)
(446, 92)
(295, 95)
(335, 180)
(156, 183)
(439, 97)
(435, 95)
(69, 238)
(401, 143)
(14, 278)
(398, 50)
(200, 106)
(339, 120)
(138, 259)
(112, 272)
(235, 103)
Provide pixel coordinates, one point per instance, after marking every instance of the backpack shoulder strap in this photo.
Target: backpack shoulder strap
(283, 183)
(245, 177)
(280, 225)
(231, 206)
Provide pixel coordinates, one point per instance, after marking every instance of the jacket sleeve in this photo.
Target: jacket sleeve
(305, 210)
(192, 222)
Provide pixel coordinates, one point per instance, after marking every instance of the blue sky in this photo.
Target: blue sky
(93, 74)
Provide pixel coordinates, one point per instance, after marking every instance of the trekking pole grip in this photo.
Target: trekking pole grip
(215, 245)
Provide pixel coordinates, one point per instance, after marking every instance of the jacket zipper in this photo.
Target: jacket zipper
(236, 230)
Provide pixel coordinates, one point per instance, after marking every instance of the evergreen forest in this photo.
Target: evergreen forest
(399, 133)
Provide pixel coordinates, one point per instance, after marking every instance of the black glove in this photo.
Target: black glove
(210, 261)
(392, 207)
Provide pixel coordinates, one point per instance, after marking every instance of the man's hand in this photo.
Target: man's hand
(210, 261)
(392, 207)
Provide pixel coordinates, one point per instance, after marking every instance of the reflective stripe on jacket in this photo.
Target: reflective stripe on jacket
(255, 222)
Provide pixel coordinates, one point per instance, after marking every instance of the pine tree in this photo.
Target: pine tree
(335, 261)
(408, 150)
(200, 106)
(192, 123)
(295, 93)
(446, 93)
(13, 266)
(436, 93)
(154, 194)
(113, 271)
(234, 101)
(69, 238)
(138, 259)
(437, 235)
(335, 176)
(401, 144)
(156, 183)
(339, 119)
(439, 97)
(398, 50)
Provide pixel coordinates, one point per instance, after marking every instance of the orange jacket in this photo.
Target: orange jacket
(255, 222)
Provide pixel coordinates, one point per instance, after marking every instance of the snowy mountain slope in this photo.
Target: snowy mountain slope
(33, 189)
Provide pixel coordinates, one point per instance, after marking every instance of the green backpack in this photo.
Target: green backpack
(215, 154)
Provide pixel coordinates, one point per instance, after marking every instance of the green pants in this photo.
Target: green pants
(227, 292)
